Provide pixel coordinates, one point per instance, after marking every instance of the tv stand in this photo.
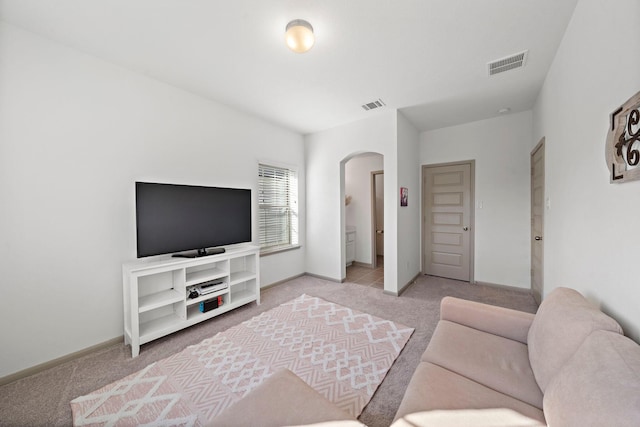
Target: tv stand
(156, 291)
(199, 253)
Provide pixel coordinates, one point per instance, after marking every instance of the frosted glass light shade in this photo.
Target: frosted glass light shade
(299, 35)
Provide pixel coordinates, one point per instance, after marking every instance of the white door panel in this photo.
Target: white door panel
(447, 221)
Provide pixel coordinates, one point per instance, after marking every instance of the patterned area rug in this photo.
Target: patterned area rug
(342, 353)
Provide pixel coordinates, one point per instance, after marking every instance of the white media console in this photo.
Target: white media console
(156, 291)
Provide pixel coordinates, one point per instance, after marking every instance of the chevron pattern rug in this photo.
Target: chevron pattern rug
(342, 353)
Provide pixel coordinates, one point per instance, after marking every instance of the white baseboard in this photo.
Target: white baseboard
(317, 276)
(362, 264)
(59, 361)
(279, 282)
(403, 288)
(511, 288)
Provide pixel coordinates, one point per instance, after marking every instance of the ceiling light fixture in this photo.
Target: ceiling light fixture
(299, 35)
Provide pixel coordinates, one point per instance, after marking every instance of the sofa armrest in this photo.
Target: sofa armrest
(504, 322)
(495, 417)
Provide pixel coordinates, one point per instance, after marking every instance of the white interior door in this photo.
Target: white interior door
(447, 220)
(537, 220)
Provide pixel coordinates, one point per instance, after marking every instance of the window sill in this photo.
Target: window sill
(271, 251)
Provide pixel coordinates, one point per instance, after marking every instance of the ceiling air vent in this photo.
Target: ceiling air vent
(509, 63)
(378, 103)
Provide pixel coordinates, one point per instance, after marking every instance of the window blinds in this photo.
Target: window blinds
(278, 207)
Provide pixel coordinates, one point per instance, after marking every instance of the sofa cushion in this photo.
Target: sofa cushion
(282, 399)
(599, 386)
(496, 362)
(435, 388)
(563, 321)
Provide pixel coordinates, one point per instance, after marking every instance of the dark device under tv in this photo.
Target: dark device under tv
(185, 220)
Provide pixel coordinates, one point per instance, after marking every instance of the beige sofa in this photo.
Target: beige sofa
(569, 365)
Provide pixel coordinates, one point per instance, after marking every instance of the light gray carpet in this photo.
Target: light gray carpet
(43, 399)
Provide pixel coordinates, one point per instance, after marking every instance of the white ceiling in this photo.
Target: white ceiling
(427, 58)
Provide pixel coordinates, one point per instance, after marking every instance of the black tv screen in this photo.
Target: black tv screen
(174, 218)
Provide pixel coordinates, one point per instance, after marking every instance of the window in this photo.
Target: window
(278, 208)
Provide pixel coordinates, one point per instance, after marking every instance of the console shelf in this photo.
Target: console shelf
(200, 276)
(156, 300)
(159, 299)
(206, 297)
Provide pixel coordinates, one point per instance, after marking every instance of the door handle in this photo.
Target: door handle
(538, 238)
(465, 228)
(380, 231)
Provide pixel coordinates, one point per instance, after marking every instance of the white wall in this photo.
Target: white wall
(408, 216)
(592, 237)
(325, 154)
(75, 133)
(501, 149)
(357, 184)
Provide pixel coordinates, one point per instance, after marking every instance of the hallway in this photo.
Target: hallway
(365, 276)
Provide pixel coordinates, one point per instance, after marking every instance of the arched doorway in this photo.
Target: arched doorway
(362, 232)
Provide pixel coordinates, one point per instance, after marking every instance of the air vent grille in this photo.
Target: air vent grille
(508, 63)
(378, 103)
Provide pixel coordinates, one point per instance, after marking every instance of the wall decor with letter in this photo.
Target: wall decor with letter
(623, 142)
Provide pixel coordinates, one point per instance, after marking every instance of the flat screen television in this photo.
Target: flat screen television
(171, 219)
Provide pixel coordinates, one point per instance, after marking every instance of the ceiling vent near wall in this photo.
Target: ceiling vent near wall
(508, 63)
(378, 103)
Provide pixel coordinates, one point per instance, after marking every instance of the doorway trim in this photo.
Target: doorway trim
(423, 204)
(374, 219)
(539, 146)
